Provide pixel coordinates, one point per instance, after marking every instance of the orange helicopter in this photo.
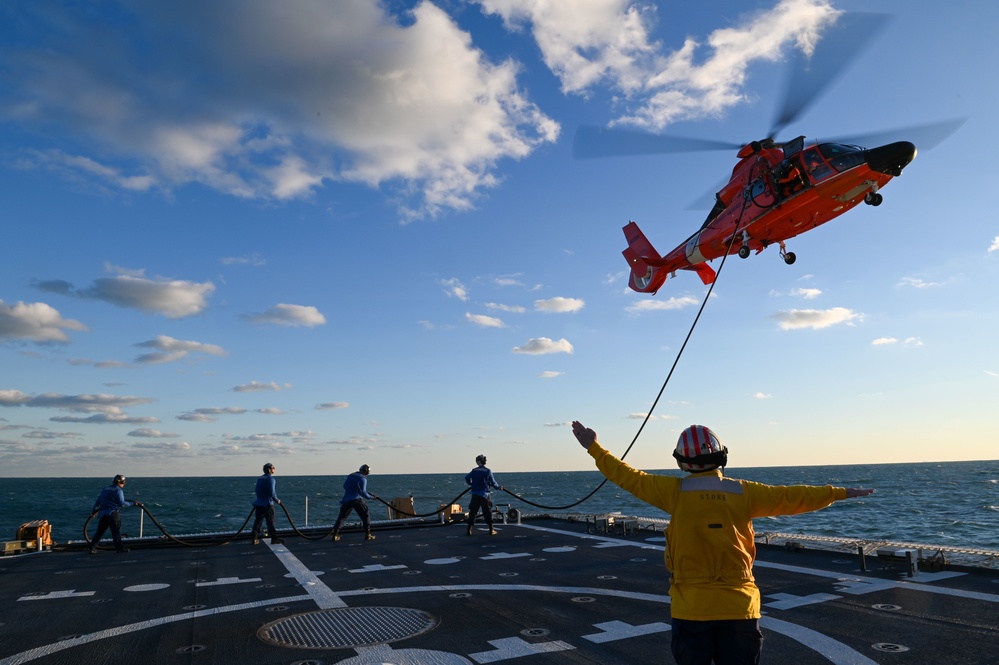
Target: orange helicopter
(777, 190)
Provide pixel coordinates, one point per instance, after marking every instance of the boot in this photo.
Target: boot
(468, 531)
(336, 535)
(493, 532)
(368, 536)
(256, 540)
(276, 541)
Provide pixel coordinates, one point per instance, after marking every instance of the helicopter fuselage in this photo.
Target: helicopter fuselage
(774, 194)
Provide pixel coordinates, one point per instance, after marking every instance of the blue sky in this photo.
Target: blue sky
(322, 234)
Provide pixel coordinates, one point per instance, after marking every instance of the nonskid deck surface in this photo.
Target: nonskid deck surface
(545, 591)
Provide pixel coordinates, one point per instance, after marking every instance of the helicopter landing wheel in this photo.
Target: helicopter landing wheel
(743, 252)
(873, 199)
(789, 258)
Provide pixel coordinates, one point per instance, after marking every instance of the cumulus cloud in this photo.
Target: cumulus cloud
(608, 43)
(454, 288)
(327, 406)
(888, 341)
(170, 350)
(173, 298)
(148, 433)
(917, 283)
(257, 386)
(252, 260)
(35, 322)
(87, 403)
(544, 345)
(282, 103)
(289, 316)
(99, 408)
(178, 447)
(995, 245)
(815, 319)
(514, 309)
(660, 305)
(559, 305)
(807, 294)
(484, 321)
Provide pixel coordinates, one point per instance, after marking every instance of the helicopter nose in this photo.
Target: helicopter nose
(891, 158)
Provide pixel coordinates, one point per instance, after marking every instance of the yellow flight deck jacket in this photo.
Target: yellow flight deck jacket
(710, 541)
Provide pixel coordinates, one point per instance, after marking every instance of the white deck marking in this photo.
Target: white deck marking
(515, 647)
(787, 601)
(619, 630)
(58, 594)
(325, 598)
(376, 568)
(836, 652)
(147, 587)
(504, 555)
(118, 631)
(228, 580)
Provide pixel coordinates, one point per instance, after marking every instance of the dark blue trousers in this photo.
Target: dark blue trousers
(720, 642)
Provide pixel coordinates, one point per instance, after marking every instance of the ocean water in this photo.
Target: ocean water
(948, 503)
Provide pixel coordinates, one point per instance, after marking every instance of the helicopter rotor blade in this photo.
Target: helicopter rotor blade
(809, 77)
(591, 142)
(924, 137)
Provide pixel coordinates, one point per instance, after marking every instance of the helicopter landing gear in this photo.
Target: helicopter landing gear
(744, 249)
(873, 198)
(788, 257)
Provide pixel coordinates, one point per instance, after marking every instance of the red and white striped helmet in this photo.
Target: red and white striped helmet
(698, 449)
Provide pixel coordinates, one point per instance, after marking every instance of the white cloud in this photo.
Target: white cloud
(252, 260)
(484, 321)
(908, 341)
(328, 406)
(455, 289)
(544, 345)
(549, 374)
(917, 283)
(289, 316)
(515, 309)
(170, 350)
(994, 247)
(763, 395)
(814, 319)
(35, 322)
(147, 433)
(173, 298)
(649, 305)
(257, 386)
(559, 305)
(283, 102)
(607, 42)
(807, 294)
(102, 408)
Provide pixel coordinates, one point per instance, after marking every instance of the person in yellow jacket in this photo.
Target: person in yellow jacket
(710, 542)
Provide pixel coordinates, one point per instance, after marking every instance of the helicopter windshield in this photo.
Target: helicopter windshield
(842, 157)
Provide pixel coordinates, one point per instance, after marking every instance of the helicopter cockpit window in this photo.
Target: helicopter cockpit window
(815, 166)
(842, 157)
